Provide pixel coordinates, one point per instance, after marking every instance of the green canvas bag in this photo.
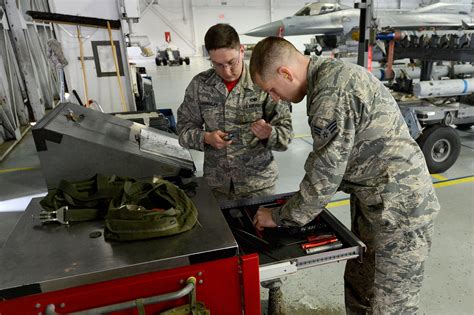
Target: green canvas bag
(133, 210)
(149, 209)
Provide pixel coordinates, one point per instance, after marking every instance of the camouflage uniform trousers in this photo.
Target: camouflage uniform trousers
(389, 279)
(227, 192)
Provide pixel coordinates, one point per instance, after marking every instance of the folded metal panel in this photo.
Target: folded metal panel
(74, 143)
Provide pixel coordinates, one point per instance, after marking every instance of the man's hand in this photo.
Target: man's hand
(263, 218)
(216, 139)
(261, 129)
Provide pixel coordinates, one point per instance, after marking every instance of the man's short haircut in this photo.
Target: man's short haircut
(268, 55)
(221, 36)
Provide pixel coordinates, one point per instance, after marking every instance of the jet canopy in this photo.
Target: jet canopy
(318, 8)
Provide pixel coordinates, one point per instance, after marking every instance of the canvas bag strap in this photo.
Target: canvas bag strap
(81, 200)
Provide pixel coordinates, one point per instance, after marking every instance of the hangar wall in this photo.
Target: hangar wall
(188, 20)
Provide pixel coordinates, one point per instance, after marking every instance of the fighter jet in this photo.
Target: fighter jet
(331, 19)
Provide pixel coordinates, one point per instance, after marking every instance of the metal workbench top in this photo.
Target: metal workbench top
(40, 258)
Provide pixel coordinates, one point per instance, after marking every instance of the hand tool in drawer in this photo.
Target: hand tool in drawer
(315, 242)
(323, 248)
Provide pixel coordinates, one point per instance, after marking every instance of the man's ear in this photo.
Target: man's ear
(285, 72)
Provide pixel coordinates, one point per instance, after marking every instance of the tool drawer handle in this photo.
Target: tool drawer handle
(187, 289)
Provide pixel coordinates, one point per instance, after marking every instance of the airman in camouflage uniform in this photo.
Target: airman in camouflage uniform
(227, 126)
(361, 145)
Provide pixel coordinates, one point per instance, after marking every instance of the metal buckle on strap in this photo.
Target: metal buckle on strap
(59, 215)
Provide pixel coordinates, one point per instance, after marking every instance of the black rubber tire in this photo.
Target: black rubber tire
(187, 61)
(180, 61)
(441, 146)
(165, 62)
(464, 127)
(158, 61)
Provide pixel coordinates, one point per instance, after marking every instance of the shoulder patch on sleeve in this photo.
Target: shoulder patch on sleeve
(323, 134)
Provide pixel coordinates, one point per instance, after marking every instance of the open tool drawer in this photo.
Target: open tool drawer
(281, 250)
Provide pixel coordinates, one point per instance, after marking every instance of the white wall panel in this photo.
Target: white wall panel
(168, 17)
(104, 9)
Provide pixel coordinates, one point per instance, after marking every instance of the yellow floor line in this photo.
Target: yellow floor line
(18, 169)
(437, 176)
(302, 136)
(469, 179)
(339, 203)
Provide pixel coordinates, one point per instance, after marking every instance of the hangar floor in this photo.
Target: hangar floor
(449, 281)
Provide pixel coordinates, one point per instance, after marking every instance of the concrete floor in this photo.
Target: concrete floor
(449, 280)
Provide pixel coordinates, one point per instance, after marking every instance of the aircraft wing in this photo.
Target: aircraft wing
(439, 16)
(300, 25)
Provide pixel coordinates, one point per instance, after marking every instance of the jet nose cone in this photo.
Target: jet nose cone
(270, 29)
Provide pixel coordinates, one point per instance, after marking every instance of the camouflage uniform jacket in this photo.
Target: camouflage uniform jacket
(248, 162)
(361, 145)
